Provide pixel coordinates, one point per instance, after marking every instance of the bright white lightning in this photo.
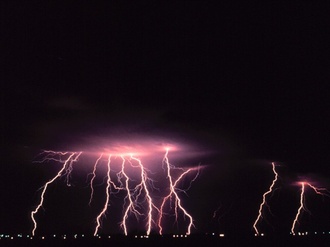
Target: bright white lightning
(68, 162)
(144, 186)
(264, 202)
(178, 204)
(138, 199)
(92, 179)
(302, 207)
(105, 207)
(131, 204)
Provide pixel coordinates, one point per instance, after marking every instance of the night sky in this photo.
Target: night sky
(241, 84)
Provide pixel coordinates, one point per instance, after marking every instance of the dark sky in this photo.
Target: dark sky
(245, 81)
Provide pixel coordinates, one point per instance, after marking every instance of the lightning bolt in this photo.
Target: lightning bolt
(319, 191)
(302, 207)
(67, 168)
(105, 207)
(138, 199)
(131, 204)
(92, 179)
(173, 193)
(143, 186)
(264, 202)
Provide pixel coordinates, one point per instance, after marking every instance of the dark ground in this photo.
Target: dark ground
(197, 240)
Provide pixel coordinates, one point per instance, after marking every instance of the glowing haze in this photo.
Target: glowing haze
(129, 168)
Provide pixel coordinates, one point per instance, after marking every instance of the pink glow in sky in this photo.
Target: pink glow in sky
(146, 146)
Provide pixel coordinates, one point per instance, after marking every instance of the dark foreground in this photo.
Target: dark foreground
(169, 241)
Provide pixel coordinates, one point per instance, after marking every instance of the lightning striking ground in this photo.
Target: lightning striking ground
(138, 200)
(302, 206)
(173, 193)
(67, 168)
(143, 186)
(105, 207)
(92, 179)
(264, 202)
(131, 207)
